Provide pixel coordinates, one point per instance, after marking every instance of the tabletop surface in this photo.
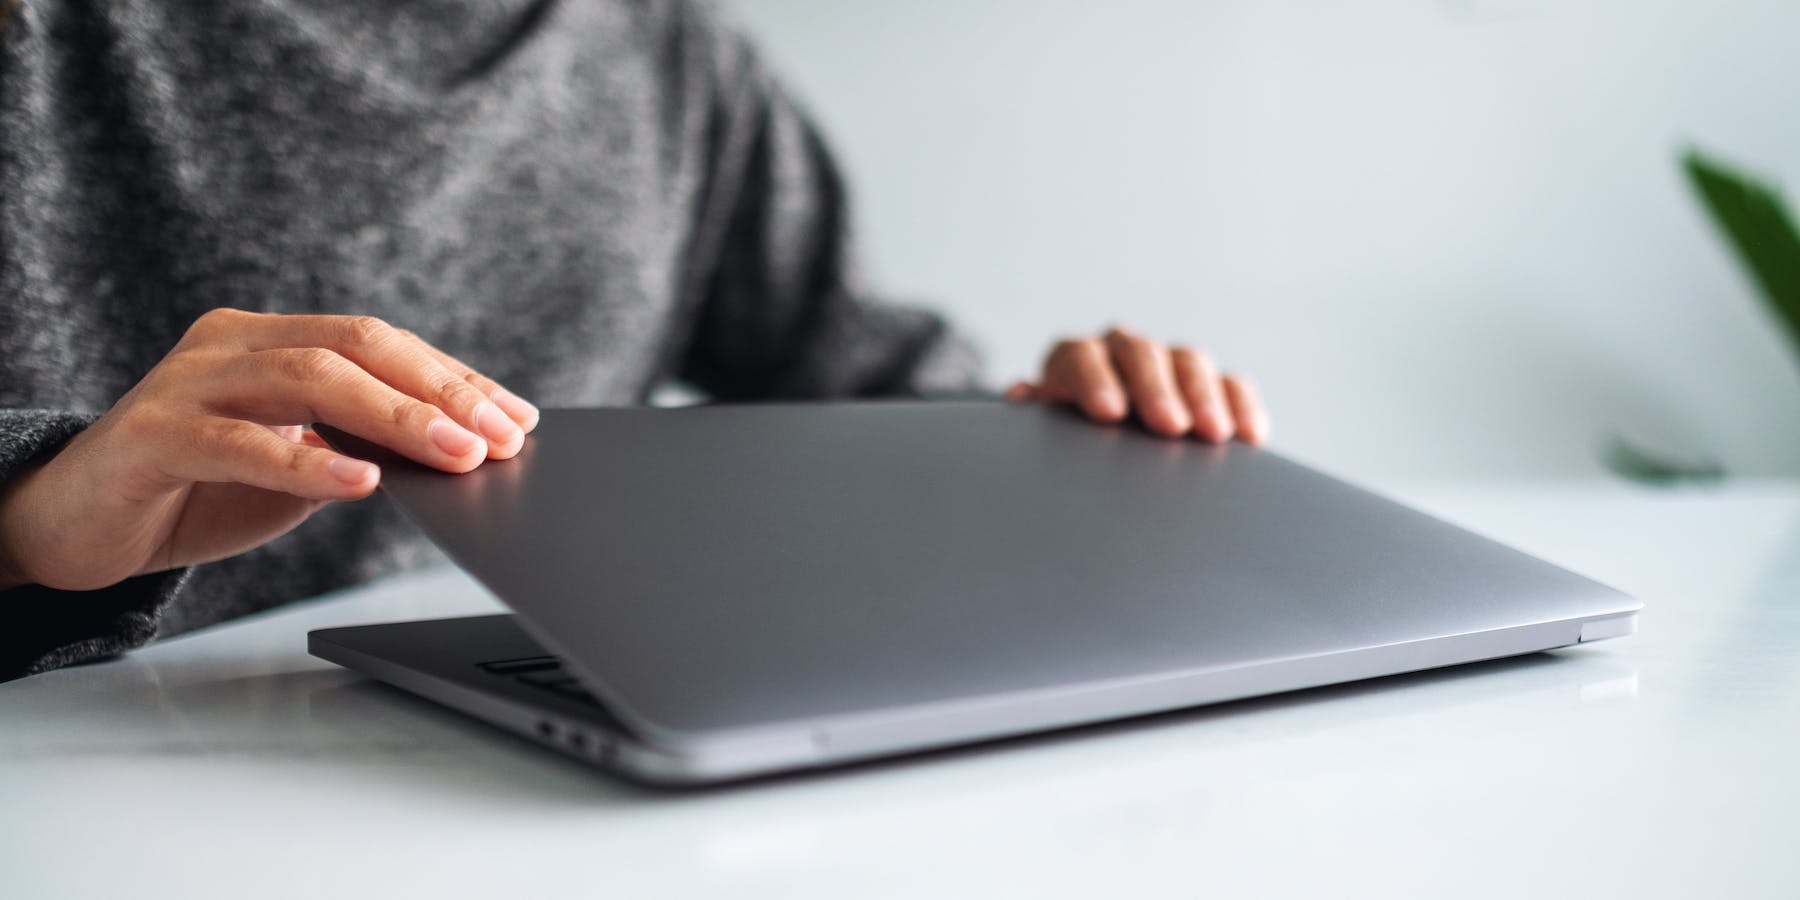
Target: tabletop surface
(231, 763)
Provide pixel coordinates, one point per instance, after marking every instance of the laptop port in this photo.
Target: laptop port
(546, 730)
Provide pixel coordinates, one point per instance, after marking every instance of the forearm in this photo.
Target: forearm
(12, 565)
(27, 438)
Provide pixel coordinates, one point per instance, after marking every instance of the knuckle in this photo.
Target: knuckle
(1132, 350)
(484, 388)
(309, 365)
(222, 315)
(179, 366)
(223, 437)
(295, 457)
(139, 423)
(407, 413)
(213, 323)
(363, 331)
(455, 393)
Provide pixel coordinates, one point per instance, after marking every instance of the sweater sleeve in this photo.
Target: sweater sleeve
(46, 628)
(782, 313)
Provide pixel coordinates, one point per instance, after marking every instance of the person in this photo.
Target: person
(220, 222)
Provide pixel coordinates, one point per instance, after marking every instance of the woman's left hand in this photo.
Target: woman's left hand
(1175, 391)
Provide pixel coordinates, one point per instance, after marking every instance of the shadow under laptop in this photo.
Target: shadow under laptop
(441, 750)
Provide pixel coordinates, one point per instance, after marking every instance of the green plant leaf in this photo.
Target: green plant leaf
(1754, 218)
(1626, 460)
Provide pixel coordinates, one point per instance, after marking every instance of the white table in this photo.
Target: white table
(231, 764)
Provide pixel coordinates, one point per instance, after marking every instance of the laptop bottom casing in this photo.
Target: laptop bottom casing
(443, 659)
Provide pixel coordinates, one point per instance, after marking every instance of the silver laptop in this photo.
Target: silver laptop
(717, 592)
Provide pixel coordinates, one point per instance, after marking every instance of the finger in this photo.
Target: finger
(399, 358)
(312, 384)
(1021, 392)
(1247, 408)
(1079, 372)
(1150, 382)
(1198, 378)
(522, 412)
(218, 449)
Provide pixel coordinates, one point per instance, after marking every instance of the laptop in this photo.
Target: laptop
(718, 592)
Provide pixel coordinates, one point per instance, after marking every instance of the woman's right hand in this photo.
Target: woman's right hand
(207, 456)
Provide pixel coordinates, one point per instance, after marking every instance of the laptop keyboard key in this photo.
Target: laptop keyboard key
(544, 673)
(526, 664)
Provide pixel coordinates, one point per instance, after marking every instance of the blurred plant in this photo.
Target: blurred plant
(1624, 458)
(1753, 218)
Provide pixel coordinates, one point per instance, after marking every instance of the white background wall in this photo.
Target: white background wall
(1449, 237)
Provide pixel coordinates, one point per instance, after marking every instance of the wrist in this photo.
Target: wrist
(12, 506)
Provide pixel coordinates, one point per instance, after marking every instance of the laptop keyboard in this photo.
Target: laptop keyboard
(546, 673)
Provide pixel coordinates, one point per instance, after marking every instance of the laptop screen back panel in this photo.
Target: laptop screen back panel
(726, 571)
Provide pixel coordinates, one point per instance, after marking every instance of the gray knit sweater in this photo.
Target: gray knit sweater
(581, 198)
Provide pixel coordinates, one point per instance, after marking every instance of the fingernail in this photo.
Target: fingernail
(1177, 414)
(351, 471)
(494, 425)
(522, 412)
(451, 437)
(1111, 402)
(1222, 426)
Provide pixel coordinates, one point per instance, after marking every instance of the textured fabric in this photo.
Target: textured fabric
(582, 199)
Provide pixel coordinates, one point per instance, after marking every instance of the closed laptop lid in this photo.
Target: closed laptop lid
(723, 569)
